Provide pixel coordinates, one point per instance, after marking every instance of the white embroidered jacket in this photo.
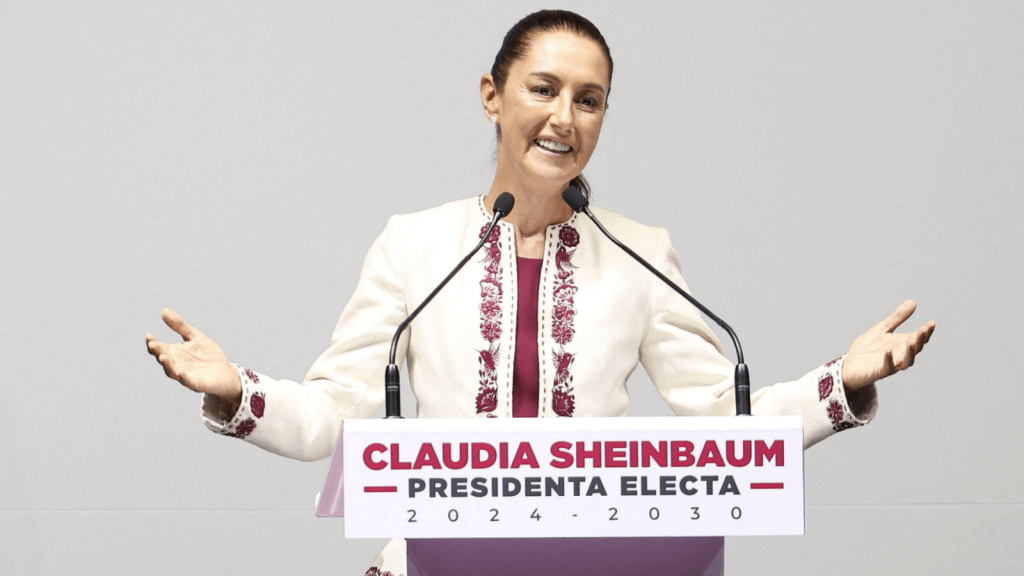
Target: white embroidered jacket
(600, 313)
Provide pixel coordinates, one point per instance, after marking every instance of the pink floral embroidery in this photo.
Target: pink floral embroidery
(844, 426)
(374, 571)
(257, 403)
(487, 400)
(563, 401)
(244, 429)
(490, 322)
(569, 236)
(252, 376)
(491, 331)
(835, 412)
(832, 363)
(490, 310)
(824, 386)
(487, 397)
(494, 233)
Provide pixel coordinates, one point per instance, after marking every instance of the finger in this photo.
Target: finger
(931, 328)
(921, 337)
(168, 365)
(155, 347)
(888, 366)
(178, 324)
(917, 342)
(898, 358)
(899, 316)
(903, 354)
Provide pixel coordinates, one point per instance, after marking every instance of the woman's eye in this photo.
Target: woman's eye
(588, 102)
(544, 90)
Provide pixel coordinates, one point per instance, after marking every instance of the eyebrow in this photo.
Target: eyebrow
(552, 78)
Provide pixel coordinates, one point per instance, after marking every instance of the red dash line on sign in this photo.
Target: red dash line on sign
(380, 488)
(766, 486)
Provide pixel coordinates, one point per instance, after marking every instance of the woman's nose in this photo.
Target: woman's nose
(561, 114)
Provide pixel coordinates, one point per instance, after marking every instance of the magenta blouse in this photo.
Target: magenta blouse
(526, 372)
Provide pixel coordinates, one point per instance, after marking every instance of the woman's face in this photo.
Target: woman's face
(551, 109)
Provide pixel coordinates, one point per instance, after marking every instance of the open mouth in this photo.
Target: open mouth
(552, 146)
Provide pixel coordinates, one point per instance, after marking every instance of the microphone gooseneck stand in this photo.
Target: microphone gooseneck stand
(579, 203)
(392, 386)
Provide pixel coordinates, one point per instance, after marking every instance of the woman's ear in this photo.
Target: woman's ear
(489, 97)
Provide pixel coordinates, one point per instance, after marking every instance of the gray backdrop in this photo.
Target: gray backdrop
(816, 164)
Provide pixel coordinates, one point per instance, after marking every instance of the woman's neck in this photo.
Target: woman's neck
(534, 211)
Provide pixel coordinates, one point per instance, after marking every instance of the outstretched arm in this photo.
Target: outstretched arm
(299, 419)
(685, 361)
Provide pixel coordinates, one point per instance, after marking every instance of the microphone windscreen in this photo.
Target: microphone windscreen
(504, 203)
(575, 199)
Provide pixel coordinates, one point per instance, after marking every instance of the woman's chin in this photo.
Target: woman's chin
(547, 178)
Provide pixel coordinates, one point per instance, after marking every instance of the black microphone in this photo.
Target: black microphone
(579, 203)
(392, 393)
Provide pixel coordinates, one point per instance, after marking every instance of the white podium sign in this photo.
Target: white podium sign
(571, 477)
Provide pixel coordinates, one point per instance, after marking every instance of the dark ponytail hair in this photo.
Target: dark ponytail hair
(517, 42)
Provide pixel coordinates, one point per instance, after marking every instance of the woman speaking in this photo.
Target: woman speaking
(549, 322)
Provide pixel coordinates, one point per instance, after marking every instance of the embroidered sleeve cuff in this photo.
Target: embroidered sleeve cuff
(217, 413)
(844, 409)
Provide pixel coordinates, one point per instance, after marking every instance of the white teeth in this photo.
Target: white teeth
(552, 145)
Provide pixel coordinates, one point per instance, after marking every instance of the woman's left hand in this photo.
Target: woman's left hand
(880, 352)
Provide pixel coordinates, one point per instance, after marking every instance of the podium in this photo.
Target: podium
(587, 495)
(592, 556)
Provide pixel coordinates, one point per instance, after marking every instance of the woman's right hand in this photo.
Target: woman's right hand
(198, 362)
